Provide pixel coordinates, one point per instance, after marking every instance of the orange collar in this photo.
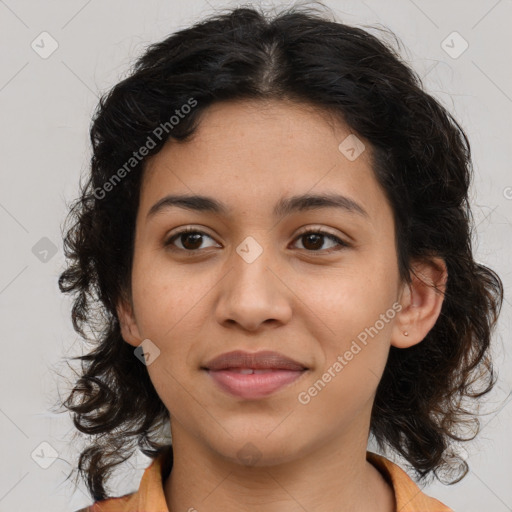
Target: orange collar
(151, 498)
(408, 496)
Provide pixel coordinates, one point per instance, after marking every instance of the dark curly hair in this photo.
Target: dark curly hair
(420, 156)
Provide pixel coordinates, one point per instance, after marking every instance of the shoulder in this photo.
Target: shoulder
(120, 504)
(408, 496)
(149, 494)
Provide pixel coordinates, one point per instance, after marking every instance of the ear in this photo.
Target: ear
(421, 302)
(129, 329)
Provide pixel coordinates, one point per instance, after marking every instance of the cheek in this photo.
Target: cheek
(349, 300)
(170, 302)
(356, 315)
(165, 295)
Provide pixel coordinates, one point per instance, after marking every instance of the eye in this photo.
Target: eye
(191, 236)
(191, 239)
(314, 240)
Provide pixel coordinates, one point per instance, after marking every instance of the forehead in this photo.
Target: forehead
(254, 153)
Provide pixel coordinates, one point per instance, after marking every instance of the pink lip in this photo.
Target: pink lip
(253, 386)
(274, 371)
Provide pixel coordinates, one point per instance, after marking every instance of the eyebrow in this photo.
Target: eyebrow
(284, 207)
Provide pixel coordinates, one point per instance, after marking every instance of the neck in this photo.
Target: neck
(333, 477)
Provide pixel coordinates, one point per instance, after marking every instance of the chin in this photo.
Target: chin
(257, 450)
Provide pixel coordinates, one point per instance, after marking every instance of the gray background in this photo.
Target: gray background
(46, 105)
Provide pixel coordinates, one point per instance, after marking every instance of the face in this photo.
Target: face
(248, 279)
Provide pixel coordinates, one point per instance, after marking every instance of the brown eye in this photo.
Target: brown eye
(190, 238)
(314, 240)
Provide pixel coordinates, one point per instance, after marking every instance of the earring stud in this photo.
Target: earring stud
(406, 333)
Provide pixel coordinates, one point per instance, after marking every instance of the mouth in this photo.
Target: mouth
(252, 384)
(253, 375)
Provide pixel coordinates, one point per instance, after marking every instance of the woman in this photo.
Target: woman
(277, 234)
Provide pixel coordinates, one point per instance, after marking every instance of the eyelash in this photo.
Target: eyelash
(341, 243)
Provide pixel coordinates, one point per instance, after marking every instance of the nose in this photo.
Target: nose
(254, 293)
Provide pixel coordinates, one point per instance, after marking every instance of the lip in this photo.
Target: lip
(230, 371)
(264, 360)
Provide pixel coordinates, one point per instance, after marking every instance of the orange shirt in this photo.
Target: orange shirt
(150, 495)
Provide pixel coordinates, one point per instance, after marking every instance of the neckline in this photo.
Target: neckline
(166, 460)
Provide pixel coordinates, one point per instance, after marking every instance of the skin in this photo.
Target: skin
(309, 304)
